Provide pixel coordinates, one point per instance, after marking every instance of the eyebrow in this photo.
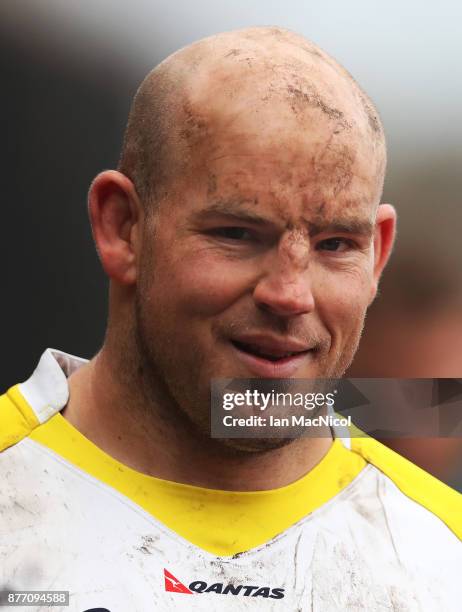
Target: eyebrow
(233, 210)
(236, 210)
(363, 227)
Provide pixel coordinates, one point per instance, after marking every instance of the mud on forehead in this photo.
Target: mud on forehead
(323, 159)
(233, 106)
(249, 82)
(260, 77)
(289, 202)
(275, 62)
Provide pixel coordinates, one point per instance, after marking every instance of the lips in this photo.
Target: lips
(272, 357)
(269, 353)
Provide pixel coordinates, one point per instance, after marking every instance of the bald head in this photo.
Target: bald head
(255, 82)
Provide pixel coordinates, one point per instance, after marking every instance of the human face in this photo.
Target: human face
(260, 265)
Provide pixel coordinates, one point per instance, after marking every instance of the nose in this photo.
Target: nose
(285, 286)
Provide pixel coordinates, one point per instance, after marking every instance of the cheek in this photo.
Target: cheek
(201, 285)
(343, 299)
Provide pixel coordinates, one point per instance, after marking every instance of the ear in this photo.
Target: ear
(384, 236)
(115, 214)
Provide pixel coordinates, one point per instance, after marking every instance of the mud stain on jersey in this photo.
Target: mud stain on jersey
(148, 546)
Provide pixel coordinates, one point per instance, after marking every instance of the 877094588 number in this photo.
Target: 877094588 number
(34, 598)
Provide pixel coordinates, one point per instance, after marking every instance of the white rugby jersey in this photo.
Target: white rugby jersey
(365, 530)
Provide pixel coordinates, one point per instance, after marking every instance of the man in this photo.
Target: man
(243, 237)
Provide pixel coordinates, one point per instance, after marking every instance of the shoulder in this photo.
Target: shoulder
(416, 484)
(29, 404)
(17, 418)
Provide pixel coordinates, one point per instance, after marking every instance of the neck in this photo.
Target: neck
(111, 411)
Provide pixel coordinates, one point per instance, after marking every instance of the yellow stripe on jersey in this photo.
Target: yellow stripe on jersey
(17, 419)
(415, 483)
(221, 522)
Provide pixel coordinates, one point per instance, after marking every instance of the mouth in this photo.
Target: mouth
(269, 358)
(273, 355)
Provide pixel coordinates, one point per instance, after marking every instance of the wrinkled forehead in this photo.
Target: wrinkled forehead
(288, 196)
(279, 185)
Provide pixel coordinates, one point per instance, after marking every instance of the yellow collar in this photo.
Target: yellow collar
(221, 522)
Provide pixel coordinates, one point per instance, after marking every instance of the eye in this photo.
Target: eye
(233, 233)
(337, 245)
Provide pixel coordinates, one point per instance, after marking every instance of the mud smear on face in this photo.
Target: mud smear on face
(374, 122)
(334, 166)
(195, 127)
(233, 53)
(211, 184)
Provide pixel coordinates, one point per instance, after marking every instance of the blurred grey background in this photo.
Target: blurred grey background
(69, 70)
